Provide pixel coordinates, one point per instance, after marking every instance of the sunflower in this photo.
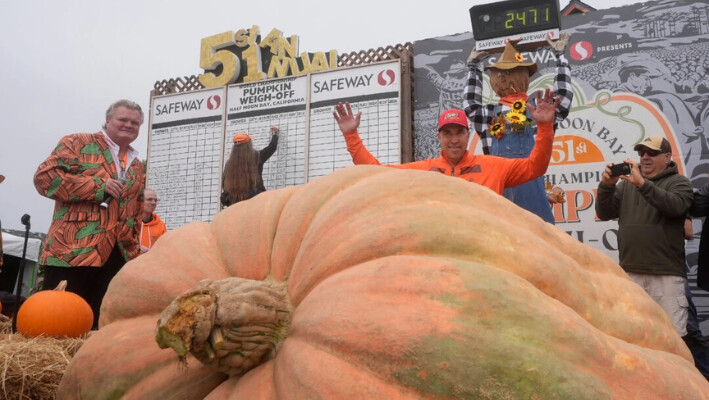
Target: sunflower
(519, 57)
(519, 106)
(515, 117)
(497, 129)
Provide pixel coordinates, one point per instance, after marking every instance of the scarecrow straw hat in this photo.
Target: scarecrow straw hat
(512, 59)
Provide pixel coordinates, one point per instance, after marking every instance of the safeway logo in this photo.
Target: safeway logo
(386, 78)
(213, 102)
(580, 51)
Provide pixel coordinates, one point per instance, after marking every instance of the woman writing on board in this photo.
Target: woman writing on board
(242, 178)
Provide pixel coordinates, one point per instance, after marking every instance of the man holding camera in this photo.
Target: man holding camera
(651, 203)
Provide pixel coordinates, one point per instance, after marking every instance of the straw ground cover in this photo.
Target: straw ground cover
(30, 369)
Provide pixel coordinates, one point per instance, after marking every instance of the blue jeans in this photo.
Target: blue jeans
(694, 339)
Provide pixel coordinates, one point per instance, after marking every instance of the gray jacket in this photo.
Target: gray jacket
(650, 221)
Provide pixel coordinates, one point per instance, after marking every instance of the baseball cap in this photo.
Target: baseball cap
(452, 116)
(242, 138)
(655, 143)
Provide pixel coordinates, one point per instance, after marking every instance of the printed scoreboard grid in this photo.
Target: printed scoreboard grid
(254, 108)
(191, 133)
(184, 156)
(374, 91)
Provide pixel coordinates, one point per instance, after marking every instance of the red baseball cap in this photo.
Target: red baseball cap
(452, 116)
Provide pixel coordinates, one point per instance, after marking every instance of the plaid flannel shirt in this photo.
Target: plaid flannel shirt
(481, 115)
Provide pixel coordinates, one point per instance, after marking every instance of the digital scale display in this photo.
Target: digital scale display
(532, 21)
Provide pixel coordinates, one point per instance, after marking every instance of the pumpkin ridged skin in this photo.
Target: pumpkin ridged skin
(55, 313)
(152, 285)
(439, 219)
(137, 369)
(404, 285)
(441, 315)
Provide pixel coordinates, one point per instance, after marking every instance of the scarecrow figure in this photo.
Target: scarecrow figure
(506, 128)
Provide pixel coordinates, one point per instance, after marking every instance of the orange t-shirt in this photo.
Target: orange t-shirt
(497, 173)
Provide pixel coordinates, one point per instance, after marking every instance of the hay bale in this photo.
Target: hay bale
(30, 369)
(5, 326)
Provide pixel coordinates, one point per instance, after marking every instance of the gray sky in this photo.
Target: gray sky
(64, 62)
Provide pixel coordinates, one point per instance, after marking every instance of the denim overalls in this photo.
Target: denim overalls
(530, 195)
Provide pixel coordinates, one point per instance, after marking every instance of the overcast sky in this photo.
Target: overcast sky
(63, 62)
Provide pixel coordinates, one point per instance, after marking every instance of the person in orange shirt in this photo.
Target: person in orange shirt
(151, 226)
(497, 173)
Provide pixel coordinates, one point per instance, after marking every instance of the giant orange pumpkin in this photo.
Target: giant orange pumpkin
(377, 283)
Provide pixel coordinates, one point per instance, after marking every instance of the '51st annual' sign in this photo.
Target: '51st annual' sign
(231, 57)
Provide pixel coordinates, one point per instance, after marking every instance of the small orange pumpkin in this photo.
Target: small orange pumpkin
(55, 313)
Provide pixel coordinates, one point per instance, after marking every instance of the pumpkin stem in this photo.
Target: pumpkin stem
(233, 324)
(61, 287)
(216, 339)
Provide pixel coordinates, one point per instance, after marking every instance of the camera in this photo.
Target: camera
(620, 169)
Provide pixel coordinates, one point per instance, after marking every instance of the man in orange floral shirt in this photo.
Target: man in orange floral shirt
(88, 242)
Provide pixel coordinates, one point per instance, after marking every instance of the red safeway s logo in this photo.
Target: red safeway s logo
(580, 51)
(213, 102)
(386, 77)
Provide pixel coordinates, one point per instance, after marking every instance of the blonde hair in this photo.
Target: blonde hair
(240, 172)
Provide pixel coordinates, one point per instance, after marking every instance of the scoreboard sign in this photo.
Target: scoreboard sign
(532, 21)
(191, 133)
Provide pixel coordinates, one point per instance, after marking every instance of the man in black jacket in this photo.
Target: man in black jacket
(651, 204)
